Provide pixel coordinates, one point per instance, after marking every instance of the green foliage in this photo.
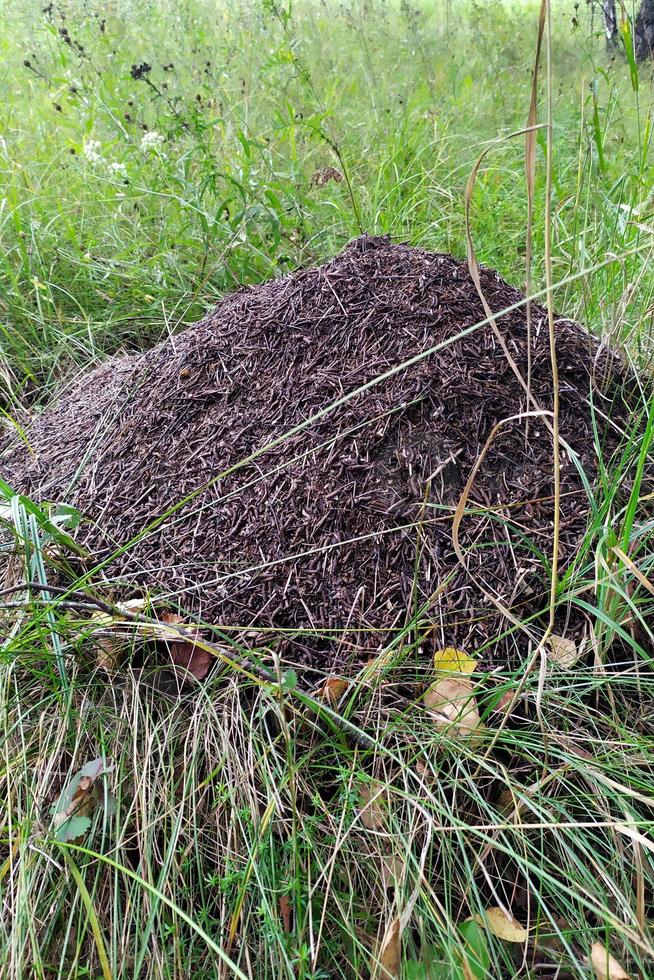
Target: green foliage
(155, 156)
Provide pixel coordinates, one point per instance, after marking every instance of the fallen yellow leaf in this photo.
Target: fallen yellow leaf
(564, 652)
(451, 702)
(453, 661)
(502, 926)
(605, 966)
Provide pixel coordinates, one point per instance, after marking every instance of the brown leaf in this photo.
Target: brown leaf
(451, 703)
(564, 652)
(393, 870)
(374, 804)
(505, 704)
(332, 689)
(192, 658)
(390, 952)
(171, 619)
(184, 652)
(502, 926)
(323, 176)
(285, 912)
(107, 653)
(605, 966)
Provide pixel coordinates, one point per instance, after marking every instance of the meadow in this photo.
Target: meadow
(153, 157)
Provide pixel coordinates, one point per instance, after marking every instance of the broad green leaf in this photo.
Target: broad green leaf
(72, 829)
(476, 964)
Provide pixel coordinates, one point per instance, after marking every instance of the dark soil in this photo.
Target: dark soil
(336, 534)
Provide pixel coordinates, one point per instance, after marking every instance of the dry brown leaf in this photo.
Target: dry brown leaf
(502, 926)
(605, 966)
(184, 652)
(506, 703)
(390, 952)
(192, 658)
(107, 653)
(451, 702)
(332, 689)
(508, 802)
(453, 661)
(285, 912)
(564, 652)
(374, 803)
(324, 175)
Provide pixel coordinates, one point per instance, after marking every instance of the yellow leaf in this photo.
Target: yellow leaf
(564, 652)
(451, 703)
(503, 926)
(453, 661)
(605, 966)
(390, 953)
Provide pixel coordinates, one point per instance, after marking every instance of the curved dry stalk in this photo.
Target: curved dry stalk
(473, 267)
(530, 173)
(463, 500)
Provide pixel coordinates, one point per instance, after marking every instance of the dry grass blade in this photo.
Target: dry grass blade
(530, 173)
(634, 569)
(556, 448)
(473, 266)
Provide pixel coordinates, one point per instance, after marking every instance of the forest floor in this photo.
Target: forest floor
(442, 807)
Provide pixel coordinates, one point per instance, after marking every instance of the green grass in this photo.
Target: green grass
(234, 808)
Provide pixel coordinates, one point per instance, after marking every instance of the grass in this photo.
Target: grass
(230, 823)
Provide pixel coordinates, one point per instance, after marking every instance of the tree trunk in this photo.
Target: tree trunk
(644, 31)
(610, 24)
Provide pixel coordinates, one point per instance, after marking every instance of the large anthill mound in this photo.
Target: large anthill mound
(338, 534)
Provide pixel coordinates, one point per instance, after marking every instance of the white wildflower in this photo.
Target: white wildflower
(119, 169)
(91, 150)
(151, 141)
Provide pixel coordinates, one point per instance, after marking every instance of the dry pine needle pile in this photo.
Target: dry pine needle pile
(339, 534)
